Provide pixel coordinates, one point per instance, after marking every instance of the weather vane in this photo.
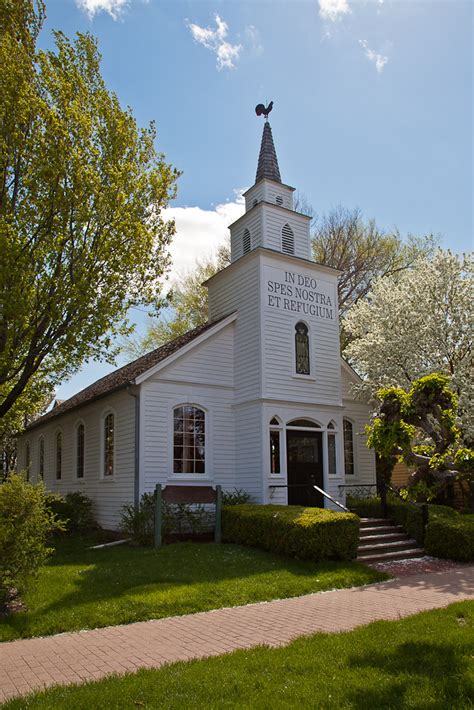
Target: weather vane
(260, 110)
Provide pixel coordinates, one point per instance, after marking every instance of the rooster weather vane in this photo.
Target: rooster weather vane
(260, 110)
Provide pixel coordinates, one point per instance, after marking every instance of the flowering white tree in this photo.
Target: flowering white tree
(415, 324)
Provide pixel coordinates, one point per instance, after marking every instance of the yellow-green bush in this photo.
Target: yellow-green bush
(26, 521)
(305, 533)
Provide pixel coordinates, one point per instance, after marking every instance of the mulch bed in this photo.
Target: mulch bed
(418, 565)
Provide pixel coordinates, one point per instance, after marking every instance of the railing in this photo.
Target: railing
(317, 488)
(359, 490)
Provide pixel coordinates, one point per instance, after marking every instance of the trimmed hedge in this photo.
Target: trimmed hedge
(451, 537)
(304, 533)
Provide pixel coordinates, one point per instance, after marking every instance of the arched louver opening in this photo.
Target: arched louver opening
(246, 242)
(279, 200)
(287, 240)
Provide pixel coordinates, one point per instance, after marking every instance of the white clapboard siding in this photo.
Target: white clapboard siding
(109, 495)
(158, 399)
(237, 289)
(275, 219)
(253, 221)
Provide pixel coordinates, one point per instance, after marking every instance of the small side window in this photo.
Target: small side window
(41, 458)
(59, 455)
(349, 448)
(109, 444)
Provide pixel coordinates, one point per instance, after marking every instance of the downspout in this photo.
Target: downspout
(134, 391)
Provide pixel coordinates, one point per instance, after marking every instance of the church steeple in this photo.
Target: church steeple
(267, 159)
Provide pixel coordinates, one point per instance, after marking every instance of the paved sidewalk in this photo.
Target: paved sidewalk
(31, 664)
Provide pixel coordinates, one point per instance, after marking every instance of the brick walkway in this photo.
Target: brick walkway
(31, 664)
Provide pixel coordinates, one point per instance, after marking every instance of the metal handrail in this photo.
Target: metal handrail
(306, 485)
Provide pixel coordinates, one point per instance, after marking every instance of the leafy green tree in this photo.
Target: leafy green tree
(419, 427)
(82, 189)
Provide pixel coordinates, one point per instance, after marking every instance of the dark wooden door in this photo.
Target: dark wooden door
(305, 467)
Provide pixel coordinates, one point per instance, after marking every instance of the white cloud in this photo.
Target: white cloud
(115, 8)
(226, 53)
(200, 232)
(378, 59)
(333, 10)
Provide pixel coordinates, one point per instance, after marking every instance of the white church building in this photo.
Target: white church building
(257, 399)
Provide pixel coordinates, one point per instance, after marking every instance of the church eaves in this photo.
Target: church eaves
(267, 160)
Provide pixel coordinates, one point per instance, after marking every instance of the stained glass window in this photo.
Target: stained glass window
(80, 443)
(302, 349)
(59, 455)
(109, 444)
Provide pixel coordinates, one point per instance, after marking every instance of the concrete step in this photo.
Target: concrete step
(385, 537)
(380, 530)
(370, 522)
(390, 556)
(383, 547)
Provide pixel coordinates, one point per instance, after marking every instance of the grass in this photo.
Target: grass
(423, 662)
(81, 588)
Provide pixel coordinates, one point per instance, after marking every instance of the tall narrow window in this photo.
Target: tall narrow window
(189, 439)
(109, 444)
(27, 460)
(41, 458)
(302, 349)
(348, 448)
(246, 242)
(59, 455)
(80, 451)
(332, 454)
(275, 446)
(287, 240)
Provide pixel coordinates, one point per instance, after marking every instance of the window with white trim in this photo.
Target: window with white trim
(41, 458)
(275, 448)
(59, 455)
(80, 450)
(189, 439)
(287, 240)
(109, 444)
(349, 464)
(27, 460)
(332, 458)
(302, 349)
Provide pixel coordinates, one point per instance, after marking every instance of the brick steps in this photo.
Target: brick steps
(382, 541)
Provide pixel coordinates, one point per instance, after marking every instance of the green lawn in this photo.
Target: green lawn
(81, 588)
(423, 662)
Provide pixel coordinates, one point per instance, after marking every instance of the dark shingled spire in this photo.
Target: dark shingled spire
(267, 160)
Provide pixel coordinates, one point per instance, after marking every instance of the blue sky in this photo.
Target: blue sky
(372, 106)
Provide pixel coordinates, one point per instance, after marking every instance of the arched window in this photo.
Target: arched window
(59, 455)
(80, 444)
(109, 444)
(27, 460)
(332, 457)
(275, 433)
(348, 448)
(304, 423)
(246, 242)
(189, 439)
(302, 349)
(41, 458)
(287, 240)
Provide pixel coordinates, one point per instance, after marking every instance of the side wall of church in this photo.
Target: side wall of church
(108, 493)
(203, 377)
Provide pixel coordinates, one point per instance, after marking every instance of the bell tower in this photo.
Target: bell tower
(270, 220)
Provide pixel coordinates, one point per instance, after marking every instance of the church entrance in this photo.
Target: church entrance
(305, 467)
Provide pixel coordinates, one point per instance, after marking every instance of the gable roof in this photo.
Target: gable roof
(125, 375)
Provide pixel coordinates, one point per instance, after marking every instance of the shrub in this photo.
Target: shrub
(451, 537)
(236, 497)
(364, 507)
(26, 521)
(305, 533)
(75, 509)
(176, 518)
